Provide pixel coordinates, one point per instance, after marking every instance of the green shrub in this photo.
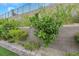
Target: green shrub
(47, 27)
(9, 31)
(76, 19)
(3, 33)
(26, 21)
(15, 35)
(72, 54)
(32, 45)
(76, 37)
(5, 26)
(10, 24)
(1, 21)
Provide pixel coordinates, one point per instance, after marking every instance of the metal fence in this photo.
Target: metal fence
(23, 9)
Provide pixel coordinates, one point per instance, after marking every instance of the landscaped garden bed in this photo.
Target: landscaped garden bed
(47, 29)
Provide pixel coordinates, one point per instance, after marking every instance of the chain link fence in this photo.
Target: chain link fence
(23, 9)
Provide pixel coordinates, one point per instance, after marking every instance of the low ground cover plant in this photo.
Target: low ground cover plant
(25, 21)
(9, 31)
(5, 27)
(76, 37)
(16, 35)
(32, 45)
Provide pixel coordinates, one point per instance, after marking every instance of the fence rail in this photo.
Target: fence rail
(23, 9)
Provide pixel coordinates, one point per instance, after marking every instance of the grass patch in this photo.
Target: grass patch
(72, 54)
(5, 52)
(30, 45)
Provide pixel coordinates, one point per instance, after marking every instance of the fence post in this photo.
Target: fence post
(13, 12)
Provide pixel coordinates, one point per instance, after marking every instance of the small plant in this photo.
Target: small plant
(32, 45)
(15, 35)
(10, 24)
(25, 21)
(1, 21)
(3, 33)
(76, 37)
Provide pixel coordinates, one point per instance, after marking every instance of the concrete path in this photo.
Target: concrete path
(65, 41)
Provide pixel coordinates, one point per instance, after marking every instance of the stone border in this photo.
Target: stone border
(71, 25)
(18, 49)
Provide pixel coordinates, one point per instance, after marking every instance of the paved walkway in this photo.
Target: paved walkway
(65, 41)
